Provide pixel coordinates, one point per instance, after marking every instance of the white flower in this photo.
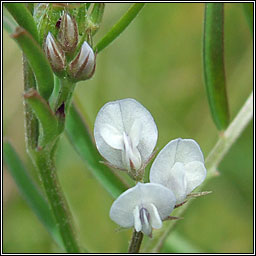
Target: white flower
(180, 167)
(125, 134)
(144, 206)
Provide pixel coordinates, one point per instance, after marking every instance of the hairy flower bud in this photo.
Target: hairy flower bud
(83, 65)
(54, 53)
(68, 33)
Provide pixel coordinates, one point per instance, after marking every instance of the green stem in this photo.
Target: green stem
(23, 17)
(120, 26)
(65, 94)
(135, 242)
(45, 163)
(63, 102)
(37, 60)
(31, 122)
(214, 158)
(227, 139)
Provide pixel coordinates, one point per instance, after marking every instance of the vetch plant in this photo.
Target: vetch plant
(59, 50)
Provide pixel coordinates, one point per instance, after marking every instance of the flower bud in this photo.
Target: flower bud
(54, 53)
(68, 33)
(83, 65)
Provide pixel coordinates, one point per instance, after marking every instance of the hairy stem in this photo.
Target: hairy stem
(44, 161)
(65, 94)
(230, 135)
(31, 122)
(135, 242)
(63, 102)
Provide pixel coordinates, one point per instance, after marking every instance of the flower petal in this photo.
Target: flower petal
(131, 156)
(172, 164)
(188, 150)
(135, 133)
(156, 221)
(112, 136)
(109, 114)
(162, 197)
(179, 150)
(173, 178)
(123, 210)
(137, 221)
(195, 175)
(130, 117)
(146, 227)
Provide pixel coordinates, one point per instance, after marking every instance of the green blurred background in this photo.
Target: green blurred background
(157, 61)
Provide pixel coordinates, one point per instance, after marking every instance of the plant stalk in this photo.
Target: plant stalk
(44, 161)
(31, 122)
(63, 102)
(135, 242)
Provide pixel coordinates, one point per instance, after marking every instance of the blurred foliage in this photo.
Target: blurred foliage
(157, 61)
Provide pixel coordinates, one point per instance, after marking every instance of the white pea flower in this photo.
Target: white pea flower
(180, 167)
(143, 207)
(125, 135)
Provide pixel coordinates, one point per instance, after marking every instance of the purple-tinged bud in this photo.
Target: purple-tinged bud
(68, 33)
(54, 54)
(83, 65)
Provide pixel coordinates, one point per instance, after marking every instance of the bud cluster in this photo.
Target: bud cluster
(61, 51)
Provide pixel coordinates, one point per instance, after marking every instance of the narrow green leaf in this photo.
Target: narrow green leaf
(9, 23)
(44, 114)
(248, 11)
(214, 71)
(30, 192)
(24, 18)
(120, 26)
(80, 138)
(37, 61)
